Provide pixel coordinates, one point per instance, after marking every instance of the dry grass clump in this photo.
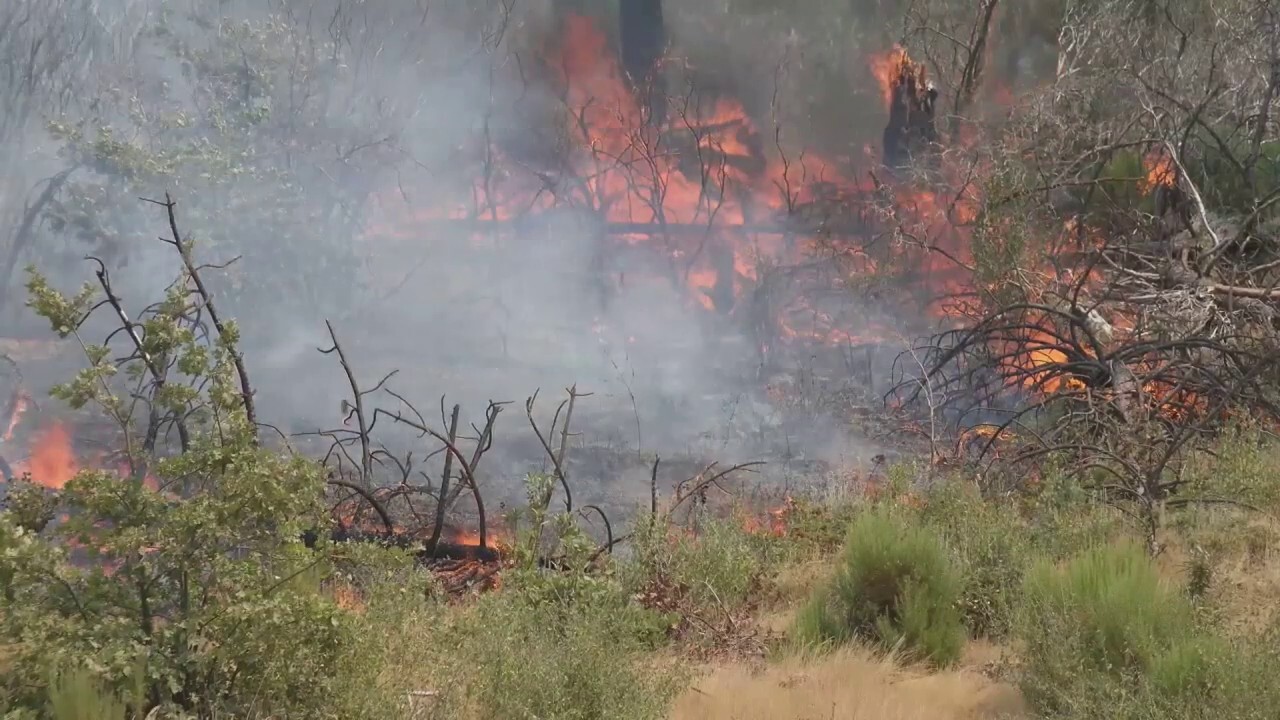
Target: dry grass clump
(851, 683)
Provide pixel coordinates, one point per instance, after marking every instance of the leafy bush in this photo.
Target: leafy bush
(895, 586)
(580, 661)
(1066, 519)
(198, 598)
(1107, 629)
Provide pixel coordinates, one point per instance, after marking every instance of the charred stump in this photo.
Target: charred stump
(911, 130)
(643, 38)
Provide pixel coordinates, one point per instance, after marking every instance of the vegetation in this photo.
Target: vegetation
(1084, 524)
(895, 586)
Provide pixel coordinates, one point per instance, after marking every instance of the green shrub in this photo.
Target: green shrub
(721, 566)
(895, 586)
(1066, 519)
(992, 547)
(562, 647)
(76, 695)
(818, 526)
(200, 603)
(1106, 628)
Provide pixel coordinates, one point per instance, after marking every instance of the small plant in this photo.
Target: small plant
(581, 660)
(1199, 576)
(720, 567)
(1106, 627)
(77, 695)
(992, 547)
(896, 586)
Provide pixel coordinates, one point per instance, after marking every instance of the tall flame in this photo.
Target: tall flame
(52, 462)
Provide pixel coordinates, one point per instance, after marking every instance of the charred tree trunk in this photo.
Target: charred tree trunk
(911, 130)
(644, 39)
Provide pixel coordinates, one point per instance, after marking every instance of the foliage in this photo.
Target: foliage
(520, 656)
(819, 526)
(1241, 469)
(78, 696)
(1065, 517)
(895, 586)
(240, 134)
(992, 547)
(1107, 627)
(200, 597)
(720, 566)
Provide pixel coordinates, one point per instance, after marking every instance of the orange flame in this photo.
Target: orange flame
(707, 170)
(887, 69)
(52, 462)
(1160, 171)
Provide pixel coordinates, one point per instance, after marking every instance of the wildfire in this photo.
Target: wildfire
(773, 522)
(1160, 171)
(52, 462)
(888, 69)
(701, 187)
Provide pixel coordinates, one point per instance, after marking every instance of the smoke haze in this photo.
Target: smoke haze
(325, 143)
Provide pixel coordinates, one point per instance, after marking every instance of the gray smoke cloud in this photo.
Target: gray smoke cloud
(367, 104)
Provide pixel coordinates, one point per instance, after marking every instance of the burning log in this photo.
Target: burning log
(643, 39)
(912, 107)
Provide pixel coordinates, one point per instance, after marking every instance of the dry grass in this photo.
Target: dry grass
(851, 684)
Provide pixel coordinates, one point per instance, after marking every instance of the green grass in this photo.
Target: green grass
(895, 586)
(1107, 631)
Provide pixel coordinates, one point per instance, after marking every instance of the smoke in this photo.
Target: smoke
(345, 132)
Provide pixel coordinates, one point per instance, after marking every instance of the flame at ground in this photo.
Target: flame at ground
(52, 462)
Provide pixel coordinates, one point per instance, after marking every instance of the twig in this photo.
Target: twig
(237, 357)
(357, 395)
(434, 543)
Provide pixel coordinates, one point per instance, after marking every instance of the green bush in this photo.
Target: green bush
(719, 567)
(1105, 631)
(895, 586)
(992, 548)
(563, 646)
(197, 603)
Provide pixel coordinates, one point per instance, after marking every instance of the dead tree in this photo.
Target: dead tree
(911, 129)
(644, 40)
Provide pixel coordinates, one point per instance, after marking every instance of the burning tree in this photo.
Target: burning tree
(1125, 339)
